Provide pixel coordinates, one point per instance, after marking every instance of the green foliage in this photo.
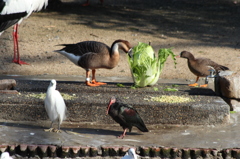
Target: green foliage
(120, 85)
(145, 67)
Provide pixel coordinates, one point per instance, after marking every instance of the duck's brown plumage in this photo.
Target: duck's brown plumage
(201, 66)
(94, 55)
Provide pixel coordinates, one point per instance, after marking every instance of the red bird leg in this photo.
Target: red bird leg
(14, 44)
(123, 135)
(16, 56)
(86, 3)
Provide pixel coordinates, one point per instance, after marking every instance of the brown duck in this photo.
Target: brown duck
(201, 66)
(92, 55)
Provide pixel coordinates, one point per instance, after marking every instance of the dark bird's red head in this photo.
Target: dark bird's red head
(112, 100)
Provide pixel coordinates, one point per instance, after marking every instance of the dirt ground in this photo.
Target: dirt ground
(206, 28)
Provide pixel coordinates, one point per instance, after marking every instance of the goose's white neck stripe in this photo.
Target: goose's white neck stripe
(70, 56)
(115, 47)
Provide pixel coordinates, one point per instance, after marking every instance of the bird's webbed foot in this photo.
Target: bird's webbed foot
(193, 85)
(98, 83)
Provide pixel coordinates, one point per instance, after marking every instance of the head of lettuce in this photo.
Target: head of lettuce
(145, 67)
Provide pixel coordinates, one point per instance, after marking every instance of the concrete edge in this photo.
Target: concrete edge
(25, 150)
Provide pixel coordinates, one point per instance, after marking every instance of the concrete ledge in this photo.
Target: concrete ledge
(53, 151)
(91, 102)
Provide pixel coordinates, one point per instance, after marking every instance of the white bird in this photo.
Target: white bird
(55, 106)
(131, 154)
(5, 155)
(12, 12)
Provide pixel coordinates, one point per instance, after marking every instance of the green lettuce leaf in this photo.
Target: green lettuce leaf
(145, 67)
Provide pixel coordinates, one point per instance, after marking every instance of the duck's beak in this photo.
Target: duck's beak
(130, 53)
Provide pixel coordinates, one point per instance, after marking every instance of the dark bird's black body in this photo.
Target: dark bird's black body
(125, 115)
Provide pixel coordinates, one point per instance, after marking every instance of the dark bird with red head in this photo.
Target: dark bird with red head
(125, 115)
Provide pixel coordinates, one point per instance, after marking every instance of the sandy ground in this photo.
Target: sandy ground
(206, 29)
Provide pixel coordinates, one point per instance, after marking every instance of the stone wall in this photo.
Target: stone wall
(227, 85)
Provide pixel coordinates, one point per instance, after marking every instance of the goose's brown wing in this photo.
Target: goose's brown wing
(86, 47)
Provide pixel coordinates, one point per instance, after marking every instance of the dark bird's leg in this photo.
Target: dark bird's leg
(94, 79)
(101, 1)
(16, 57)
(194, 84)
(86, 3)
(123, 135)
(88, 83)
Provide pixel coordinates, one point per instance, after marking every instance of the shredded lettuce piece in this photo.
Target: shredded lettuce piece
(145, 67)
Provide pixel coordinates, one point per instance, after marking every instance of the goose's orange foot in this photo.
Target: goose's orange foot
(205, 85)
(193, 85)
(19, 62)
(98, 83)
(91, 84)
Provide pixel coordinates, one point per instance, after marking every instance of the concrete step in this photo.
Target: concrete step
(90, 103)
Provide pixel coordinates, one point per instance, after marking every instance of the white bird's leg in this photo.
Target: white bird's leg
(58, 131)
(51, 126)
(16, 57)
(50, 129)
(88, 83)
(94, 79)
(58, 124)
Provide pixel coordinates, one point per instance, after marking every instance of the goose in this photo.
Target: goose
(55, 106)
(201, 66)
(12, 12)
(92, 55)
